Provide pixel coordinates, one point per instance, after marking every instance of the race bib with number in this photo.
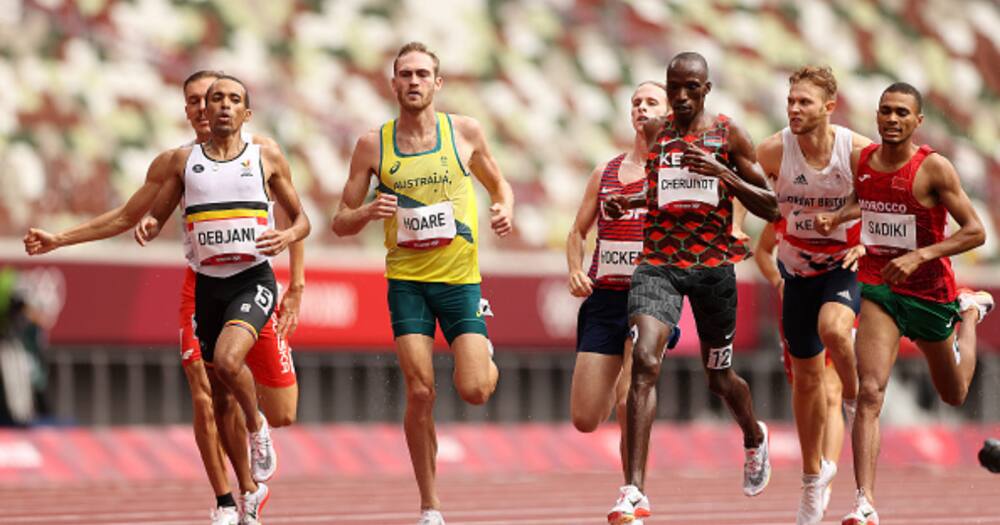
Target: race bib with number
(803, 225)
(891, 230)
(426, 227)
(678, 185)
(617, 258)
(227, 241)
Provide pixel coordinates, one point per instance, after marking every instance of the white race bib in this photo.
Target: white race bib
(425, 227)
(802, 224)
(617, 258)
(226, 241)
(892, 230)
(675, 185)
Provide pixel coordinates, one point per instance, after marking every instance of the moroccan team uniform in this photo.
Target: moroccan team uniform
(226, 207)
(602, 323)
(270, 359)
(893, 222)
(688, 245)
(809, 262)
(432, 260)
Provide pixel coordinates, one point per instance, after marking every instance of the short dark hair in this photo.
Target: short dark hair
(200, 74)
(688, 57)
(417, 47)
(908, 89)
(246, 92)
(821, 77)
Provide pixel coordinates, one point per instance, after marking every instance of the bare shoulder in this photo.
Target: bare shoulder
(938, 165)
(265, 141)
(772, 146)
(271, 152)
(468, 127)
(859, 141)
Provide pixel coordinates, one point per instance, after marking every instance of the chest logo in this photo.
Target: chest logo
(394, 168)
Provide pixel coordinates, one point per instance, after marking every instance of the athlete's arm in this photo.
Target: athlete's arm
(580, 284)
(151, 225)
(163, 175)
(748, 183)
(764, 257)
(352, 214)
(769, 157)
(851, 210)
(485, 168)
(946, 186)
(279, 180)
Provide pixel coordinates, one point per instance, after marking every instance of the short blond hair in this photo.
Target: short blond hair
(416, 47)
(821, 77)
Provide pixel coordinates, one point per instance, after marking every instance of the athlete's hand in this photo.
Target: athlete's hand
(702, 162)
(580, 284)
(900, 268)
(288, 313)
(147, 230)
(273, 242)
(37, 242)
(615, 205)
(852, 257)
(383, 207)
(825, 223)
(501, 219)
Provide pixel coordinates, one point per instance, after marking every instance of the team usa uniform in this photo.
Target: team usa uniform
(809, 262)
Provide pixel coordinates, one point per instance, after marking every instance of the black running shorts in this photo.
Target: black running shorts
(246, 299)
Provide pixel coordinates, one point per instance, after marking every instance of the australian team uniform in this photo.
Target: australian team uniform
(226, 207)
(602, 323)
(432, 259)
(810, 262)
(688, 245)
(894, 223)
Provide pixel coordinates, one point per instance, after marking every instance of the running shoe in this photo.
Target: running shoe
(826, 497)
(757, 466)
(814, 494)
(864, 513)
(225, 516)
(431, 517)
(632, 505)
(989, 456)
(263, 458)
(980, 300)
(253, 505)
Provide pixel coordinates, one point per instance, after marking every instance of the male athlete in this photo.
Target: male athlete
(697, 164)
(604, 350)
(423, 163)
(903, 195)
(270, 360)
(809, 165)
(227, 185)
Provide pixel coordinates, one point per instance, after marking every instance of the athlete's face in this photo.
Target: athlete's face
(648, 101)
(414, 81)
(194, 105)
(226, 106)
(897, 117)
(687, 86)
(807, 107)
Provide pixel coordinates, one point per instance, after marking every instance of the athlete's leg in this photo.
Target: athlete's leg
(621, 402)
(836, 331)
(833, 432)
(725, 383)
(647, 355)
(415, 352)
(205, 434)
(476, 374)
(593, 392)
(877, 348)
(279, 404)
(270, 362)
(952, 379)
(809, 404)
(231, 350)
(232, 431)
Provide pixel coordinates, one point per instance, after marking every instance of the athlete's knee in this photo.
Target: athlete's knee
(419, 392)
(475, 394)
(202, 405)
(835, 338)
(808, 378)
(228, 365)
(280, 418)
(955, 396)
(871, 394)
(645, 364)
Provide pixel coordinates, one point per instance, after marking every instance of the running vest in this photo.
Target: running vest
(802, 193)
(226, 208)
(433, 236)
(894, 223)
(619, 241)
(690, 217)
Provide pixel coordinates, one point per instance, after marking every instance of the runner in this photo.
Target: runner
(903, 195)
(604, 350)
(689, 250)
(227, 185)
(426, 201)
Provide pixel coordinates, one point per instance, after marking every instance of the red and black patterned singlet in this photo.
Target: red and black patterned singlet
(690, 219)
(619, 241)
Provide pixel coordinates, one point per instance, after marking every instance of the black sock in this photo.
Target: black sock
(225, 500)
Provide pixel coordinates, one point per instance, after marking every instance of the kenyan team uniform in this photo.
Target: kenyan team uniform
(432, 259)
(688, 245)
(809, 262)
(925, 305)
(602, 323)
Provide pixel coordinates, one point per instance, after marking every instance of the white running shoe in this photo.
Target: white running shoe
(850, 410)
(757, 466)
(631, 507)
(826, 497)
(814, 486)
(263, 458)
(431, 517)
(980, 300)
(864, 513)
(253, 505)
(225, 516)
